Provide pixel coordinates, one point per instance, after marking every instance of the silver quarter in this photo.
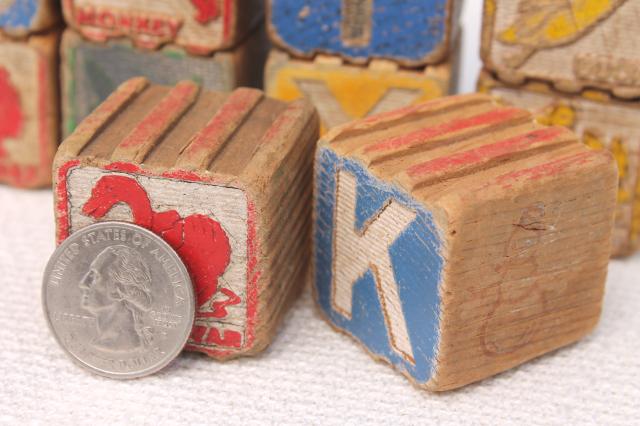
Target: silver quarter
(118, 299)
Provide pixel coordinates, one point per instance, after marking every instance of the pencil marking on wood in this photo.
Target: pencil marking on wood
(479, 255)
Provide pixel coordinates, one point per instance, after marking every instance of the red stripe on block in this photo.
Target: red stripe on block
(551, 168)
(206, 144)
(146, 134)
(485, 153)
(422, 135)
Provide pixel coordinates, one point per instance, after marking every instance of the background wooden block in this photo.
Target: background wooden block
(342, 93)
(457, 239)
(199, 26)
(600, 122)
(28, 109)
(412, 32)
(91, 71)
(573, 44)
(21, 17)
(224, 178)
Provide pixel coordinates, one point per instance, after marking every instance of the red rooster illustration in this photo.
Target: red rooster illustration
(199, 240)
(207, 10)
(10, 112)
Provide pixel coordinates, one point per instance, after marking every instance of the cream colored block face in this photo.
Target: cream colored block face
(19, 67)
(600, 125)
(174, 20)
(201, 27)
(223, 205)
(572, 43)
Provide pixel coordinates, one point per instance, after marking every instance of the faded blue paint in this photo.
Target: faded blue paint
(408, 30)
(417, 266)
(19, 15)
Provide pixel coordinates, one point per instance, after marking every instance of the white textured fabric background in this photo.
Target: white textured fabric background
(310, 374)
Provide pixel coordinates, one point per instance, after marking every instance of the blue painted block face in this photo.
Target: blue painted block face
(410, 31)
(377, 264)
(17, 14)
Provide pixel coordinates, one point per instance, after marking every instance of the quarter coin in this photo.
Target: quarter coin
(118, 299)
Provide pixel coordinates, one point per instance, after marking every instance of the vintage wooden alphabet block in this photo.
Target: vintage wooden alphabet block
(199, 26)
(91, 71)
(21, 17)
(601, 122)
(573, 44)
(28, 109)
(457, 239)
(412, 32)
(343, 93)
(226, 179)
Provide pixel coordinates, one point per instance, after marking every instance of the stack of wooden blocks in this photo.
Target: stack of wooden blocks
(355, 58)
(219, 44)
(575, 64)
(28, 91)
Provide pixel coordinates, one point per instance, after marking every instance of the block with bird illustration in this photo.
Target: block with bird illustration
(19, 18)
(199, 26)
(573, 44)
(91, 70)
(343, 92)
(601, 122)
(459, 238)
(28, 109)
(224, 178)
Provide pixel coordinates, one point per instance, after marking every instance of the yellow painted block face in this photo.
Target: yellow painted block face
(601, 125)
(574, 44)
(343, 93)
(551, 22)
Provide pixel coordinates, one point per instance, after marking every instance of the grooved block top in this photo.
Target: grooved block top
(468, 139)
(413, 32)
(183, 128)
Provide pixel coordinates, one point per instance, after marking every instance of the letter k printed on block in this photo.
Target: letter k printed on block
(377, 264)
(356, 253)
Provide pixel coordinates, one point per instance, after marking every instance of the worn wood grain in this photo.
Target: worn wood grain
(91, 71)
(601, 122)
(28, 109)
(343, 92)
(199, 26)
(224, 178)
(573, 44)
(458, 238)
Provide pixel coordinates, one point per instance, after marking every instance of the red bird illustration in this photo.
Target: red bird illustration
(199, 240)
(207, 10)
(10, 112)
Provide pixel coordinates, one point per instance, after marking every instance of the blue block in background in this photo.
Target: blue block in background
(20, 17)
(412, 32)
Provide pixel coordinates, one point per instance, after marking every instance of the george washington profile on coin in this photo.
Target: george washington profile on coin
(117, 292)
(105, 292)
